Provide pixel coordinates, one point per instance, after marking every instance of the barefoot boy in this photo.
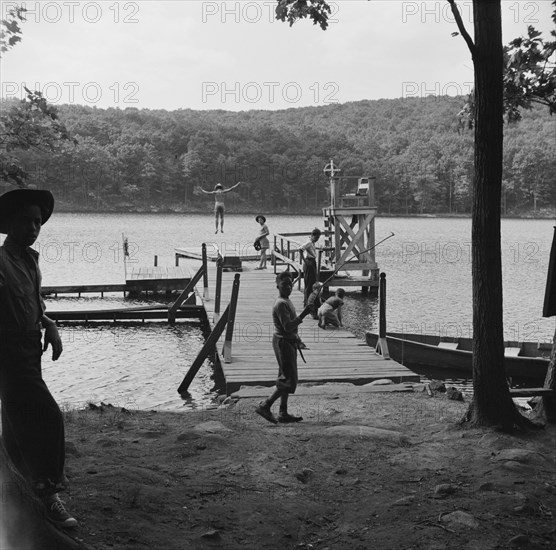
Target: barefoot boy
(32, 423)
(330, 313)
(285, 342)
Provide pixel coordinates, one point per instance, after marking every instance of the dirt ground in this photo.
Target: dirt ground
(363, 470)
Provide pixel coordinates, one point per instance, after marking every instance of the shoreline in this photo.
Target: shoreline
(228, 477)
(203, 211)
(366, 468)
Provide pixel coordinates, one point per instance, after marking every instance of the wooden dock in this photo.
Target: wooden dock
(334, 355)
(244, 252)
(141, 279)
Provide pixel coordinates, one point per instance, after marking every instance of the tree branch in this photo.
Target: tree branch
(461, 27)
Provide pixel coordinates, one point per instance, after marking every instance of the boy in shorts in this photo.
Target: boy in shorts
(285, 342)
(330, 313)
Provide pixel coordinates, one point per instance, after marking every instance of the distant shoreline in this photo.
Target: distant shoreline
(71, 210)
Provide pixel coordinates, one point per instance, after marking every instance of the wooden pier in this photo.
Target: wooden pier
(333, 355)
(141, 279)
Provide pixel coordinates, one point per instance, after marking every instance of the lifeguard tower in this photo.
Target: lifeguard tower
(350, 230)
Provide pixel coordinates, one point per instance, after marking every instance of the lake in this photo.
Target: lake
(427, 263)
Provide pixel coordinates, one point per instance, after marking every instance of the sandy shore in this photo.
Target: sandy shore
(365, 469)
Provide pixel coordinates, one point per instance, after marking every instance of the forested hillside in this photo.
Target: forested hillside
(152, 160)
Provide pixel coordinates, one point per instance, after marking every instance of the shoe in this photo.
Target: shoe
(286, 418)
(216, 232)
(258, 268)
(266, 413)
(57, 514)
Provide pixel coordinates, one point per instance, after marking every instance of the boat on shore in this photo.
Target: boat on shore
(522, 360)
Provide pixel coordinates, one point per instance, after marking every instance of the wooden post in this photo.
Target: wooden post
(205, 274)
(227, 349)
(218, 290)
(273, 256)
(382, 346)
(209, 346)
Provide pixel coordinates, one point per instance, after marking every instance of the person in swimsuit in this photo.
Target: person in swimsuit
(262, 239)
(218, 193)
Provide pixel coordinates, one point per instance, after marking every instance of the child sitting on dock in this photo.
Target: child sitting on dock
(285, 342)
(314, 301)
(330, 313)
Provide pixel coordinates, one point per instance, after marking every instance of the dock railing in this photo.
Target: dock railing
(225, 321)
(201, 272)
(287, 251)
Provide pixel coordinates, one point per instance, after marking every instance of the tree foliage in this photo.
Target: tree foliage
(27, 124)
(154, 159)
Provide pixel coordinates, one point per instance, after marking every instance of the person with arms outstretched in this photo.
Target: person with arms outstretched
(218, 193)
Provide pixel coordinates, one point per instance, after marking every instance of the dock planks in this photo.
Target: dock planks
(333, 354)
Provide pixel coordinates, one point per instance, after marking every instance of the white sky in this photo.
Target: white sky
(233, 55)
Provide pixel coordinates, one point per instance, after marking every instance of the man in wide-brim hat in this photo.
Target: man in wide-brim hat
(32, 423)
(15, 199)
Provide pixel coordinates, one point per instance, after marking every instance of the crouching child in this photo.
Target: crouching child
(330, 312)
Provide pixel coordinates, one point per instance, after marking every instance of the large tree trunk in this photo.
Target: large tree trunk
(492, 404)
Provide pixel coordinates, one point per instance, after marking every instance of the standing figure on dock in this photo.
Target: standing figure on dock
(314, 301)
(218, 193)
(330, 313)
(32, 423)
(309, 253)
(261, 242)
(285, 342)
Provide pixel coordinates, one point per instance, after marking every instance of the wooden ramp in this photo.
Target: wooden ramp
(333, 354)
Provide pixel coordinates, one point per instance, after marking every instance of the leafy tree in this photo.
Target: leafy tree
(492, 404)
(27, 124)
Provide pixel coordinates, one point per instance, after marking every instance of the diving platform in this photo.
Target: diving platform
(333, 354)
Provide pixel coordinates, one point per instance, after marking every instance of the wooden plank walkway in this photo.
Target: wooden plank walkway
(245, 252)
(333, 354)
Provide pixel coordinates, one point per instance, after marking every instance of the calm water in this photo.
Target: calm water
(428, 269)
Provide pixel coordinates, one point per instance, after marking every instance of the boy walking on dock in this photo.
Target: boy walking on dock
(285, 342)
(32, 423)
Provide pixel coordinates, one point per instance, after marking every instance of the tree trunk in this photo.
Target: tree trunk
(492, 404)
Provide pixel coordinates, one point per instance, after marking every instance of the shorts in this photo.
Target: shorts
(286, 355)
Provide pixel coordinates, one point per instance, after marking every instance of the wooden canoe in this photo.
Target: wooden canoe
(523, 360)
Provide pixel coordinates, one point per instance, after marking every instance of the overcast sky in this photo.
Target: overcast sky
(233, 55)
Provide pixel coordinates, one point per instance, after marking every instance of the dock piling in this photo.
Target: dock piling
(382, 346)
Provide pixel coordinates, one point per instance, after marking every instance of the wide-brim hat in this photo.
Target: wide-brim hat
(18, 198)
(260, 216)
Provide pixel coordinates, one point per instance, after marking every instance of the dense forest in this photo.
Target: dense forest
(419, 150)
